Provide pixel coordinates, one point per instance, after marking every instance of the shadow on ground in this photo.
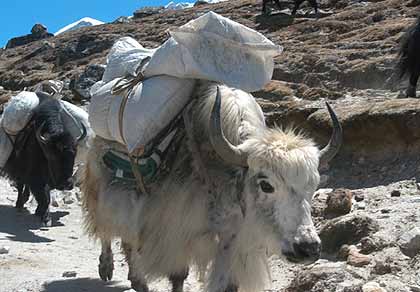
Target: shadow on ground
(82, 285)
(18, 226)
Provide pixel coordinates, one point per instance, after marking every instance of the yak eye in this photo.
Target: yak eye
(266, 187)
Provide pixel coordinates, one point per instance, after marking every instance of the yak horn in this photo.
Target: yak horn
(329, 151)
(84, 133)
(228, 152)
(39, 135)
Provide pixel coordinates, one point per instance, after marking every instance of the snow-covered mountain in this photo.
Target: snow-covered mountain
(85, 21)
(184, 5)
(214, 1)
(178, 6)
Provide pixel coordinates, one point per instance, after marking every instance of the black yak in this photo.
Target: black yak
(409, 57)
(43, 155)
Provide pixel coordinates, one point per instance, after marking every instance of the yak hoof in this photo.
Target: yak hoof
(411, 92)
(47, 222)
(106, 267)
(21, 209)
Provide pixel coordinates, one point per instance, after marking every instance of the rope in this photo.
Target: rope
(124, 87)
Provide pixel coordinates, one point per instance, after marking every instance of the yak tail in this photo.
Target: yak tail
(406, 56)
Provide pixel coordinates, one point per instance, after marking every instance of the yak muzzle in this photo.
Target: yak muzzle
(307, 252)
(66, 186)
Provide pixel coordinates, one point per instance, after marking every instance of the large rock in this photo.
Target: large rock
(356, 259)
(83, 46)
(348, 229)
(148, 11)
(409, 242)
(325, 276)
(339, 203)
(372, 287)
(80, 86)
(38, 32)
(39, 29)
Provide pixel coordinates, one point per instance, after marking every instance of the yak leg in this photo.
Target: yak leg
(178, 279)
(314, 4)
(264, 6)
(411, 90)
(278, 4)
(297, 5)
(135, 276)
(23, 195)
(42, 196)
(106, 261)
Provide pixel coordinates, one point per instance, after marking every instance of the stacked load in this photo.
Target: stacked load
(16, 115)
(19, 111)
(143, 90)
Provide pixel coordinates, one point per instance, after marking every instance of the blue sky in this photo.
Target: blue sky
(18, 16)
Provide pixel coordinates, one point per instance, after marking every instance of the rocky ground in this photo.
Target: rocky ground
(368, 210)
(371, 238)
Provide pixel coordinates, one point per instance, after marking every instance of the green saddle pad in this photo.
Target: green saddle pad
(120, 166)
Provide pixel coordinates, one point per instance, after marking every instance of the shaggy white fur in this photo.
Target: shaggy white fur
(181, 225)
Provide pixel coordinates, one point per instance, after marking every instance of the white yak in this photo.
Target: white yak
(222, 208)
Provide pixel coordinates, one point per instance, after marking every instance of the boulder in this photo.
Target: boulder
(356, 259)
(372, 287)
(348, 229)
(69, 274)
(80, 86)
(4, 250)
(409, 242)
(38, 32)
(148, 11)
(352, 256)
(371, 244)
(339, 203)
(123, 19)
(324, 276)
(39, 29)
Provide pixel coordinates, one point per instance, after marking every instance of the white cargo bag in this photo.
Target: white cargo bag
(150, 107)
(216, 48)
(82, 117)
(6, 147)
(19, 111)
(124, 58)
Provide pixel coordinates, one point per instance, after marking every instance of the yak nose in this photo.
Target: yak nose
(309, 250)
(69, 184)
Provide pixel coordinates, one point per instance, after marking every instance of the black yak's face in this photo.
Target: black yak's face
(60, 152)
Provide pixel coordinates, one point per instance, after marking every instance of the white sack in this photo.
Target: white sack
(124, 58)
(19, 111)
(216, 48)
(6, 147)
(81, 116)
(151, 106)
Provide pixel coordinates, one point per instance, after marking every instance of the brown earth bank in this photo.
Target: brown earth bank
(346, 57)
